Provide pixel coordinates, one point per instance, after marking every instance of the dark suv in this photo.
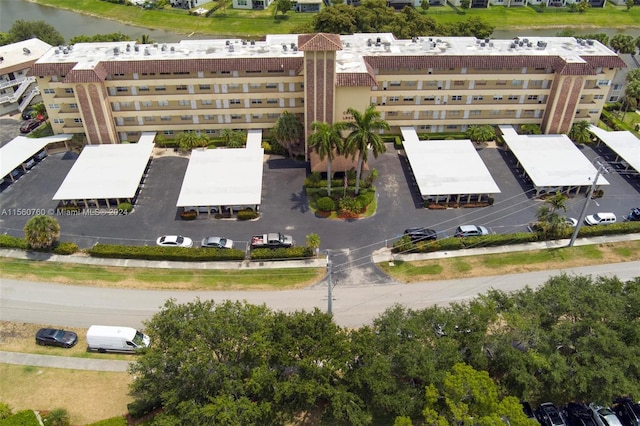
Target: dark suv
(549, 415)
(421, 234)
(627, 410)
(579, 414)
(634, 215)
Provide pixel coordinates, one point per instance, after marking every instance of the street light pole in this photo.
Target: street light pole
(601, 169)
(329, 284)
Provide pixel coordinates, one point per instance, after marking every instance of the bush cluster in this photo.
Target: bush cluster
(404, 244)
(325, 204)
(247, 214)
(65, 248)
(189, 215)
(113, 251)
(281, 253)
(125, 207)
(8, 241)
(22, 418)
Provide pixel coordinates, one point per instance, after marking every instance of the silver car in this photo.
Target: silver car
(217, 242)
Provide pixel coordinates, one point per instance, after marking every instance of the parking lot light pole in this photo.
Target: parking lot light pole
(601, 170)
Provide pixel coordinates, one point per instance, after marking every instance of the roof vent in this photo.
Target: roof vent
(136, 48)
(284, 47)
(231, 49)
(65, 51)
(369, 43)
(57, 51)
(128, 48)
(244, 42)
(293, 46)
(486, 40)
(590, 42)
(482, 44)
(147, 52)
(514, 45)
(525, 40)
(173, 49)
(116, 50)
(414, 39)
(26, 51)
(227, 43)
(164, 48)
(252, 42)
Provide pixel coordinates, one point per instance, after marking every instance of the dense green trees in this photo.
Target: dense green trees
(575, 338)
(25, 30)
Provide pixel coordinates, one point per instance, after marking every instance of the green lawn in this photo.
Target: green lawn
(251, 23)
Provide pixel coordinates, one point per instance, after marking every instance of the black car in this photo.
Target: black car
(30, 125)
(28, 113)
(627, 410)
(549, 415)
(579, 414)
(55, 337)
(421, 234)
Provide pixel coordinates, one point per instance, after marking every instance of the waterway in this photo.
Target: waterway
(71, 24)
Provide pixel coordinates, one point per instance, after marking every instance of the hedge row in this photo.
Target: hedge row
(113, 251)
(8, 241)
(281, 253)
(21, 418)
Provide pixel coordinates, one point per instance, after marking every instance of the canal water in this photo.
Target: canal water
(71, 24)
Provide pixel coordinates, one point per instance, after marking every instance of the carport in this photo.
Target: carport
(624, 144)
(223, 180)
(448, 170)
(552, 162)
(18, 151)
(106, 175)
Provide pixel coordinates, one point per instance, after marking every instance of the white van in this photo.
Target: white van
(600, 219)
(104, 338)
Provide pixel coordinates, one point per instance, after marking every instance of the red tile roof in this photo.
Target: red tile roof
(319, 42)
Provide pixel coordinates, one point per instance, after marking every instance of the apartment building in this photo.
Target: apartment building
(111, 92)
(17, 88)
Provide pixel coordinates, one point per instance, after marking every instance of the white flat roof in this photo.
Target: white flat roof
(254, 138)
(449, 167)
(222, 177)
(551, 160)
(14, 55)
(106, 171)
(409, 134)
(21, 148)
(624, 143)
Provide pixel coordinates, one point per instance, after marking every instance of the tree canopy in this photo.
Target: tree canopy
(25, 30)
(574, 338)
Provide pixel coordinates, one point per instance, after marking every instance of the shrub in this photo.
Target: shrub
(5, 410)
(65, 248)
(189, 215)
(139, 408)
(57, 417)
(22, 418)
(325, 204)
(9, 241)
(113, 251)
(247, 214)
(315, 177)
(281, 253)
(125, 207)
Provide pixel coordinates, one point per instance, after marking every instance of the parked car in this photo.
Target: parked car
(28, 112)
(579, 414)
(604, 416)
(627, 410)
(471, 231)
(56, 337)
(421, 234)
(41, 155)
(571, 221)
(634, 215)
(549, 415)
(29, 163)
(217, 242)
(600, 219)
(527, 409)
(30, 125)
(174, 241)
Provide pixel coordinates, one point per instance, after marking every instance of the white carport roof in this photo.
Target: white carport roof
(448, 167)
(254, 138)
(551, 160)
(106, 172)
(624, 143)
(409, 134)
(222, 177)
(21, 148)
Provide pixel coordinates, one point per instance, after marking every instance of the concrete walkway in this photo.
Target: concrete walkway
(72, 363)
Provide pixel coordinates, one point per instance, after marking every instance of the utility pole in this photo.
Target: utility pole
(329, 284)
(601, 169)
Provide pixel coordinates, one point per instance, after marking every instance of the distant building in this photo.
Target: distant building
(188, 4)
(111, 92)
(17, 89)
(251, 4)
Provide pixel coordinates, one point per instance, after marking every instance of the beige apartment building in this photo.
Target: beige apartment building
(111, 92)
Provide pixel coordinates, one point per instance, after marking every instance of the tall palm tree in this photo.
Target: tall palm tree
(580, 133)
(363, 136)
(326, 141)
(41, 231)
(288, 131)
(551, 222)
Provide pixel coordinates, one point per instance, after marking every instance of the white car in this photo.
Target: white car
(174, 241)
(600, 219)
(217, 242)
(571, 221)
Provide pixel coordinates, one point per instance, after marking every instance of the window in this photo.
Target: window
(163, 103)
(236, 116)
(458, 82)
(77, 120)
(456, 98)
(603, 82)
(395, 83)
(516, 82)
(234, 101)
(481, 83)
(54, 106)
(598, 97)
(143, 88)
(535, 83)
(129, 119)
(186, 117)
(393, 98)
(233, 86)
(146, 103)
(497, 98)
(149, 118)
(432, 83)
(206, 102)
(429, 98)
(475, 112)
(160, 88)
(208, 117)
(453, 113)
(242, 2)
(256, 116)
(478, 98)
(271, 85)
(501, 83)
(594, 111)
(532, 97)
(210, 131)
(272, 101)
(253, 71)
(392, 113)
(204, 87)
(181, 87)
(122, 89)
(73, 106)
(407, 113)
(513, 97)
(255, 85)
(225, 72)
(184, 102)
(494, 112)
(275, 71)
(256, 101)
(58, 121)
(168, 132)
(165, 118)
(273, 115)
(615, 87)
(50, 91)
(125, 104)
(408, 99)
(68, 91)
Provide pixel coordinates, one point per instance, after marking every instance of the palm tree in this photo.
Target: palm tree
(145, 39)
(326, 142)
(363, 136)
(580, 133)
(288, 131)
(40, 110)
(530, 129)
(41, 231)
(481, 133)
(552, 224)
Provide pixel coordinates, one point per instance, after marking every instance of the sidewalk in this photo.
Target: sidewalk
(73, 363)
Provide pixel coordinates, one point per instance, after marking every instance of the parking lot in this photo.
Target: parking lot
(284, 206)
